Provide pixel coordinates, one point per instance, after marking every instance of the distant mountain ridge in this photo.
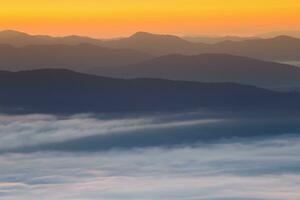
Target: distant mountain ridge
(284, 48)
(128, 63)
(18, 39)
(217, 39)
(77, 57)
(64, 91)
(211, 68)
(292, 33)
(281, 48)
(143, 55)
(156, 44)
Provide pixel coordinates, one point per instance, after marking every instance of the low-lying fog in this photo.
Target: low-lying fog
(294, 63)
(190, 156)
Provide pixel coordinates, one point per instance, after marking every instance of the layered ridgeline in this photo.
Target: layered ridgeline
(63, 91)
(136, 56)
(18, 39)
(281, 48)
(126, 63)
(77, 57)
(211, 68)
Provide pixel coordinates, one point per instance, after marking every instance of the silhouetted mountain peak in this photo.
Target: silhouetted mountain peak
(285, 38)
(141, 34)
(12, 33)
(144, 36)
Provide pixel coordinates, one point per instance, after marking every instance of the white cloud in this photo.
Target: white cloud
(259, 170)
(26, 130)
(232, 169)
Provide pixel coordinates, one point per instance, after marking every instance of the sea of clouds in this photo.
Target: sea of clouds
(186, 156)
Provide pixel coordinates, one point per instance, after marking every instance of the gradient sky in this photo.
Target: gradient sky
(113, 18)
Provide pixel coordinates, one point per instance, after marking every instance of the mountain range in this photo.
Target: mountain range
(64, 91)
(16, 38)
(217, 39)
(127, 63)
(76, 57)
(211, 68)
(281, 48)
(145, 55)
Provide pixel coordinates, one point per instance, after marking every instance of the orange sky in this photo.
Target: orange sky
(113, 18)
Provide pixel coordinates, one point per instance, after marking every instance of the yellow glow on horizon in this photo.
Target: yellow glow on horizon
(122, 17)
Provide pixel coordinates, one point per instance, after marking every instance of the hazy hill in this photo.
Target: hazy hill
(128, 63)
(280, 48)
(212, 68)
(146, 42)
(293, 33)
(79, 57)
(63, 91)
(216, 39)
(16, 38)
(157, 44)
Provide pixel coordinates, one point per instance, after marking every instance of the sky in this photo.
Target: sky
(115, 18)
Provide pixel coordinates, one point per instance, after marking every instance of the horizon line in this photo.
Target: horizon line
(261, 35)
